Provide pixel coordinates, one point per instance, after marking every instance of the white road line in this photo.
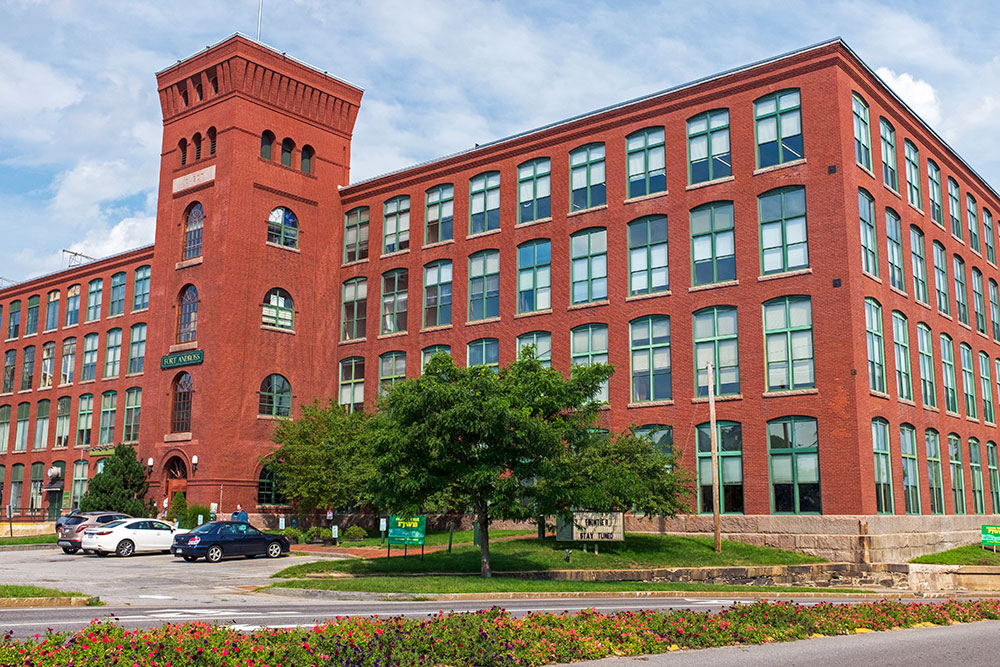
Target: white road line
(156, 597)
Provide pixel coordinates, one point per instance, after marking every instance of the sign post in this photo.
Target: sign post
(382, 528)
(991, 537)
(407, 530)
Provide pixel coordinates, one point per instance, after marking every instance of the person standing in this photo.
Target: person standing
(240, 514)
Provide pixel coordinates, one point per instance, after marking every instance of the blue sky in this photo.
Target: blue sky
(80, 120)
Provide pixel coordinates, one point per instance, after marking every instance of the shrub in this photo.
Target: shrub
(316, 534)
(355, 533)
(293, 534)
(177, 509)
(192, 515)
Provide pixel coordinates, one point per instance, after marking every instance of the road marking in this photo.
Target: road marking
(156, 597)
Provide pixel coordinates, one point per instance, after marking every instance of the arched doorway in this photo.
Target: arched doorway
(176, 476)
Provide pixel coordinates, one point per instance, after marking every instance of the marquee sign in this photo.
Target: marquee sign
(182, 359)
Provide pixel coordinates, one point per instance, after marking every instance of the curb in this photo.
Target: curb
(15, 603)
(27, 547)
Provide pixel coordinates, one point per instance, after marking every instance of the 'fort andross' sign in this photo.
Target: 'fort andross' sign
(182, 359)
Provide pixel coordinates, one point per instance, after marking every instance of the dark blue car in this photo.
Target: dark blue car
(220, 539)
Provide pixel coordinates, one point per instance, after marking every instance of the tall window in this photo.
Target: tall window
(991, 254)
(961, 295)
(9, 371)
(63, 407)
(794, 447)
(948, 374)
(266, 141)
(391, 369)
(873, 334)
(968, 382)
(430, 351)
(883, 468)
(534, 190)
(484, 352)
(941, 279)
(783, 242)
(187, 324)
(14, 320)
(278, 310)
(95, 291)
(973, 221)
(394, 297)
(586, 177)
(646, 162)
(275, 399)
(589, 265)
(978, 302)
(650, 343)
(869, 240)
(268, 492)
(437, 293)
(788, 343)
(713, 247)
(355, 306)
(137, 348)
(894, 249)
(911, 481)
(4, 429)
(862, 137)
(995, 310)
(21, 432)
(28, 368)
(934, 192)
(396, 225)
(133, 408)
(283, 228)
(112, 353)
(84, 420)
(194, 224)
(647, 258)
(180, 413)
(140, 289)
(918, 264)
(68, 363)
(589, 346)
(484, 202)
(306, 159)
(986, 387)
(708, 146)
(484, 285)
(31, 318)
(212, 137)
(925, 350)
(954, 208)
(934, 481)
(716, 341)
(42, 424)
(901, 349)
(541, 341)
(72, 305)
(79, 482)
(888, 134)
(88, 371)
(730, 482)
(957, 475)
(439, 214)
(779, 128)
(662, 437)
(287, 146)
(994, 473)
(356, 234)
(52, 310)
(352, 384)
(48, 362)
(534, 276)
(109, 403)
(912, 173)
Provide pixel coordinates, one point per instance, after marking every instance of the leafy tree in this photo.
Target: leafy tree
(323, 459)
(120, 487)
(177, 510)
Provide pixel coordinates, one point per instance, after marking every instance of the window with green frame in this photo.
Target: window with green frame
(116, 306)
(140, 291)
(650, 346)
(437, 293)
(783, 238)
(986, 387)
(995, 310)
(28, 368)
(948, 374)
(23, 422)
(534, 276)
(941, 279)
(95, 290)
(588, 346)
(934, 192)
(353, 311)
(534, 190)
(31, 317)
(973, 221)
(661, 435)
(932, 442)
(48, 359)
(713, 244)
(396, 225)
(283, 228)
(14, 320)
(109, 406)
(88, 369)
(862, 135)
(9, 370)
(978, 302)
(484, 352)
(395, 288)
(918, 264)
(901, 349)
(911, 479)
(954, 208)
(968, 382)
(646, 162)
(63, 408)
(352, 384)
(356, 234)
(925, 351)
(957, 475)
(278, 310)
(994, 474)
(883, 467)
(52, 310)
(589, 265)
(976, 474)
(912, 173)
(275, 397)
(729, 437)
(709, 155)
(788, 343)
(586, 177)
(484, 202)
(888, 134)
(430, 351)
(112, 353)
(439, 214)
(961, 294)
(391, 369)
(991, 253)
(133, 409)
(716, 341)
(894, 250)
(484, 285)
(541, 341)
(42, 424)
(137, 348)
(869, 239)
(4, 428)
(778, 126)
(793, 443)
(876, 355)
(647, 255)
(268, 492)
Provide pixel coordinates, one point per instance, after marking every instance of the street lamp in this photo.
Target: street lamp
(149, 466)
(194, 463)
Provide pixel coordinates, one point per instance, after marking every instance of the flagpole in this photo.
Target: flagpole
(260, 11)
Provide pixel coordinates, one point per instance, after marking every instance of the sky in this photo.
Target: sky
(80, 124)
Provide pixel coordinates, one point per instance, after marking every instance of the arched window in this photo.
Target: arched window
(266, 142)
(187, 323)
(305, 161)
(197, 145)
(283, 228)
(194, 222)
(211, 141)
(287, 145)
(275, 397)
(278, 310)
(182, 146)
(267, 490)
(180, 412)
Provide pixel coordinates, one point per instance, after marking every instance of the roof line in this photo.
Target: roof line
(56, 273)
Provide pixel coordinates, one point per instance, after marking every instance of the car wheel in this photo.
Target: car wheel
(70, 550)
(273, 550)
(190, 559)
(214, 554)
(125, 548)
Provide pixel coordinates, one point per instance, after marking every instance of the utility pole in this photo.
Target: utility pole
(716, 514)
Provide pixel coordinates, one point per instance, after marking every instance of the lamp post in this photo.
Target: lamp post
(149, 466)
(194, 464)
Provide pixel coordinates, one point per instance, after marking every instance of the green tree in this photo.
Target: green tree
(120, 486)
(323, 459)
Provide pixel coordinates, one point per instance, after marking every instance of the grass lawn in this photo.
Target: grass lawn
(972, 554)
(419, 585)
(30, 539)
(17, 591)
(637, 551)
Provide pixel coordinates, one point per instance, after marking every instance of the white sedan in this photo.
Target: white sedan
(128, 536)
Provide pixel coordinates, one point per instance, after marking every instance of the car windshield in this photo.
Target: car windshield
(113, 524)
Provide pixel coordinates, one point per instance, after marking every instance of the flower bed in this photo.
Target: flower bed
(486, 638)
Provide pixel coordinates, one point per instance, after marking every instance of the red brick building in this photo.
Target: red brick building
(791, 221)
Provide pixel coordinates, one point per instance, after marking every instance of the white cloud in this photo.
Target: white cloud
(32, 92)
(81, 191)
(128, 234)
(920, 95)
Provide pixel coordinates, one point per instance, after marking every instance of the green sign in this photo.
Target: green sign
(407, 530)
(182, 359)
(101, 451)
(991, 536)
